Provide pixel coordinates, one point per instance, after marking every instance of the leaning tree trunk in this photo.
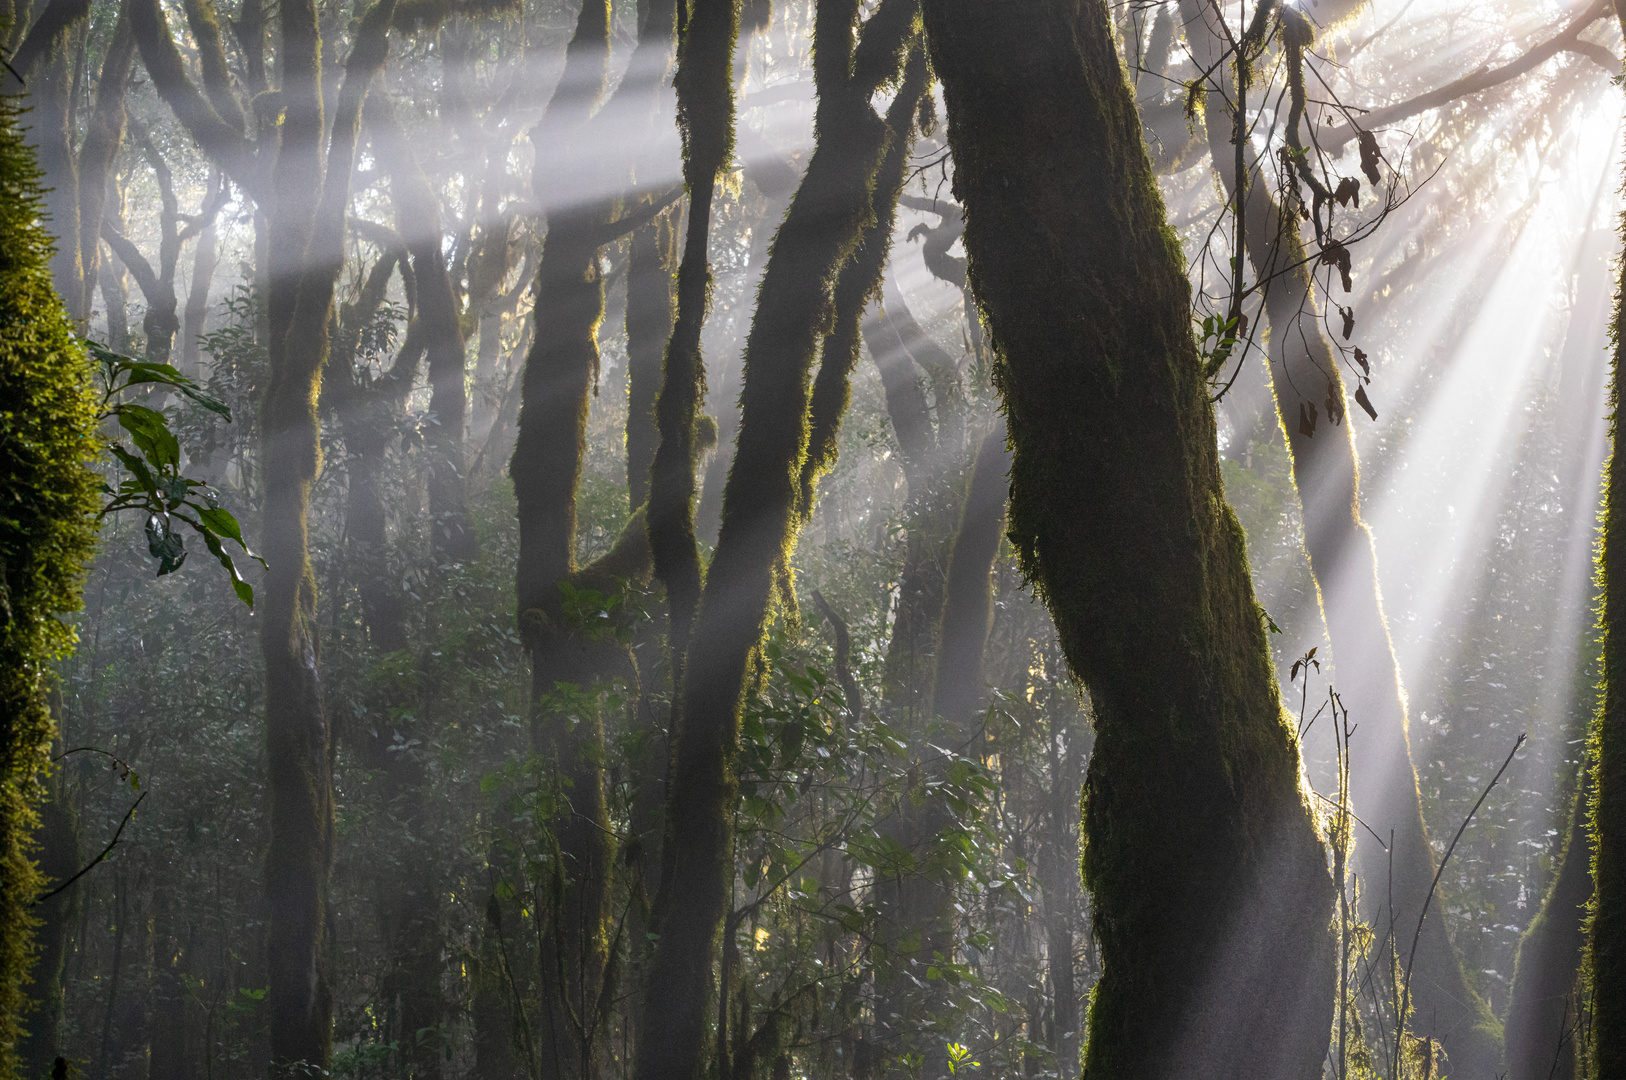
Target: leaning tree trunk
(1326, 474)
(761, 511)
(1212, 898)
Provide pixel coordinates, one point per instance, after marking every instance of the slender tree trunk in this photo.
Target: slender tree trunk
(204, 261)
(651, 310)
(101, 146)
(560, 373)
(761, 510)
(968, 608)
(917, 902)
(1212, 897)
(299, 741)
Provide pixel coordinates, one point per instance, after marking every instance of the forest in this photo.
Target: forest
(812, 540)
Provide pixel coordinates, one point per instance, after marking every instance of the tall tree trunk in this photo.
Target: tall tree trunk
(101, 146)
(761, 510)
(1212, 899)
(1606, 951)
(560, 373)
(307, 254)
(1326, 473)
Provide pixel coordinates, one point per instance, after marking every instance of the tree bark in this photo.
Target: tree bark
(760, 515)
(1326, 474)
(1212, 898)
(1606, 951)
(307, 255)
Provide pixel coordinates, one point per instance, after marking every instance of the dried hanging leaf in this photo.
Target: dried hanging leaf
(1335, 404)
(1370, 156)
(1349, 190)
(1307, 418)
(1336, 254)
(1349, 321)
(1366, 368)
(1365, 402)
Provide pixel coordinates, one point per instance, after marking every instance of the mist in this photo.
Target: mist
(820, 539)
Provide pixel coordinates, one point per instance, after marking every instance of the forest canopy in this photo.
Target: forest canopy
(828, 539)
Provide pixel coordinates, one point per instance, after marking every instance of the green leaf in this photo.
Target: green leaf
(137, 468)
(133, 372)
(221, 522)
(244, 591)
(149, 430)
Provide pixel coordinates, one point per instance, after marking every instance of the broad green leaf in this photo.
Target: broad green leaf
(150, 432)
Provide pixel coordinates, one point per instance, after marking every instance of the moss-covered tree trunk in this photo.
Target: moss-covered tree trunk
(306, 256)
(560, 373)
(1326, 474)
(1606, 952)
(762, 505)
(1212, 898)
(48, 504)
(651, 308)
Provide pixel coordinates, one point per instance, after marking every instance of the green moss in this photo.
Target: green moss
(48, 507)
(1606, 957)
(1212, 898)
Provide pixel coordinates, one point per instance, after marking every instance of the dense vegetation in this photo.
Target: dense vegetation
(838, 538)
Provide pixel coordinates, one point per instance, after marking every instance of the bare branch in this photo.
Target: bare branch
(1486, 77)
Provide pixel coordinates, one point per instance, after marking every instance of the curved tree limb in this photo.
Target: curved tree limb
(1567, 40)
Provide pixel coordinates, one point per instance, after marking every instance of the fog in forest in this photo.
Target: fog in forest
(627, 528)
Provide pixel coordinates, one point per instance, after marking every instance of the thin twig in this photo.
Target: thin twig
(1417, 936)
(106, 851)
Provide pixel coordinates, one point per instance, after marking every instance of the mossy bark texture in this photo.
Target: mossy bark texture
(1326, 475)
(305, 254)
(761, 503)
(705, 101)
(48, 505)
(1606, 954)
(1212, 897)
(561, 371)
